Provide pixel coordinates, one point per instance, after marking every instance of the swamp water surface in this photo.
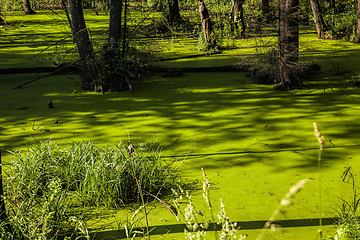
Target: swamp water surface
(254, 143)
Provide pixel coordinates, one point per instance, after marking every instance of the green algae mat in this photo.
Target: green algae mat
(254, 143)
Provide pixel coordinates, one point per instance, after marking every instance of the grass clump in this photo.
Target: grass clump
(46, 185)
(45, 216)
(94, 176)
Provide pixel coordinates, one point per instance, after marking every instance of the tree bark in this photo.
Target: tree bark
(288, 44)
(237, 11)
(292, 31)
(318, 19)
(84, 46)
(265, 7)
(115, 23)
(206, 25)
(112, 55)
(124, 32)
(281, 30)
(173, 15)
(27, 8)
(358, 21)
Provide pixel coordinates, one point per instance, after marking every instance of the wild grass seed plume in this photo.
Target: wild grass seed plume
(196, 222)
(321, 141)
(287, 200)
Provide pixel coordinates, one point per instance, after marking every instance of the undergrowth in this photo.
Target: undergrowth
(46, 183)
(95, 176)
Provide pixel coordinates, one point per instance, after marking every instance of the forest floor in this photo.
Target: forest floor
(254, 143)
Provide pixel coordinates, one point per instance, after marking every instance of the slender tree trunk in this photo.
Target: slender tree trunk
(292, 31)
(124, 32)
(173, 16)
(242, 18)
(319, 22)
(236, 12)
(288, 44)
(84, 46)
(115, 23)
(234, 15)
(27, 8)
(111, 54)
(281, 31)
(206, 24)
(265, 7)
(358, 21)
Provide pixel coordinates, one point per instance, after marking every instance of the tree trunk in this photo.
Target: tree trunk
(206, 25)
(111, 56)
(115, 23)
(27, 8)
(265, 7)
(84, 46)
(358, 21)
(242, 18)
(173, 15)
(318, 19)
(288, 44)
(292, 31)
(236, 12)
(281, 30)
(124, 33)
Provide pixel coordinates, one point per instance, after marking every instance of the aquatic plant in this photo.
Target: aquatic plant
(95, 176)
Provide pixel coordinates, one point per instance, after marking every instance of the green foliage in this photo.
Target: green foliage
(39, 211)
(201, 45)
(342, 25)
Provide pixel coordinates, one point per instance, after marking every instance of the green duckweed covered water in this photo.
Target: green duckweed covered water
(254, 143)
